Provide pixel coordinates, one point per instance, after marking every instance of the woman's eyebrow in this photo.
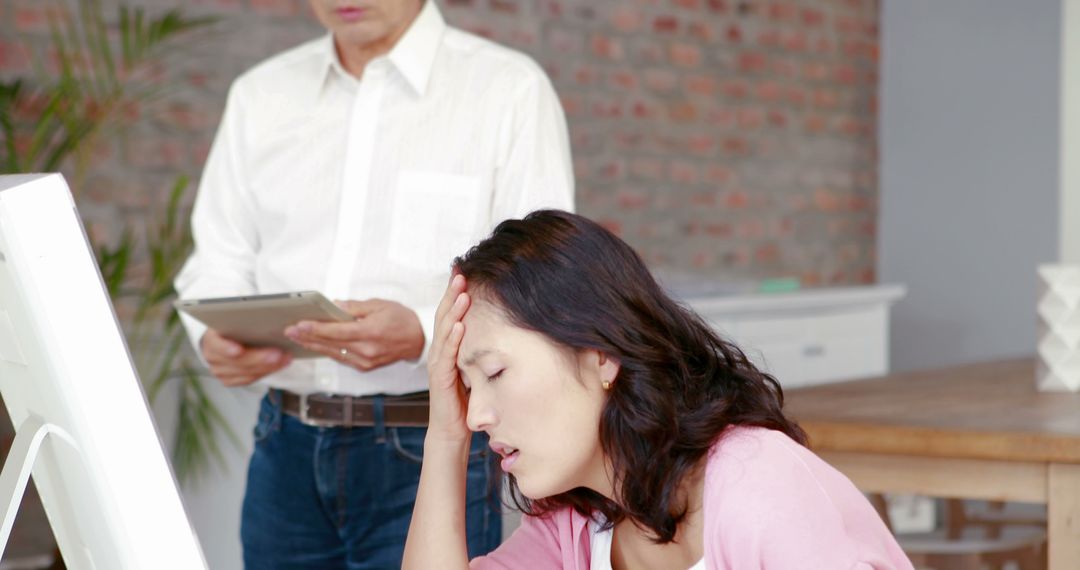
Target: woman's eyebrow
(476, 355)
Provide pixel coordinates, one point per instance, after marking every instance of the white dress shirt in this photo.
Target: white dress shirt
(369, 188)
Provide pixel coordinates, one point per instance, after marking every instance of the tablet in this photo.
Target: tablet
(260, 320)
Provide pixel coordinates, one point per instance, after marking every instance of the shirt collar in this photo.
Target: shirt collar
(413, 55)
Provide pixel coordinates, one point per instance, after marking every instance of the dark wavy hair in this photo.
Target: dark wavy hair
(679, 384)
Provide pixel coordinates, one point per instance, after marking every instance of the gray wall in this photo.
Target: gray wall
(969, 173)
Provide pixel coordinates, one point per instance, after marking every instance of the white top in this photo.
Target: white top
(600, 549)
(368, 188)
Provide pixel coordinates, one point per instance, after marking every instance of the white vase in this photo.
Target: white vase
(1058, 367)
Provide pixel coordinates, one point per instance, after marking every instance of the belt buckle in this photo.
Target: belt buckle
(306, 419)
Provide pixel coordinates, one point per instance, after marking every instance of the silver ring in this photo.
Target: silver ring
(344, 352)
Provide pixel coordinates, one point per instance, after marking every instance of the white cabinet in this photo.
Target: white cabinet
(808, 337)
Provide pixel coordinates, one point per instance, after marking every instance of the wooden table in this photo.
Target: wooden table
(979, 431)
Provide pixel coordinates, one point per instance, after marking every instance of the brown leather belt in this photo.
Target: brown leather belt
(333, 410)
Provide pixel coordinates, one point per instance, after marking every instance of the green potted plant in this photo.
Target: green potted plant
(51, 123)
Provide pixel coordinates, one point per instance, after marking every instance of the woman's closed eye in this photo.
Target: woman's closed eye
(495, 376)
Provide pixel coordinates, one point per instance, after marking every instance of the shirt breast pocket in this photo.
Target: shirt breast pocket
(434, 218)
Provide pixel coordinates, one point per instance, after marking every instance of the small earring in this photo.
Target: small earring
(606, 384)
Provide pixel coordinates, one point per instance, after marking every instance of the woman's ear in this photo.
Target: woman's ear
(608, 368)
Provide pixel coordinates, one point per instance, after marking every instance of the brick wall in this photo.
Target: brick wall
(729, 139)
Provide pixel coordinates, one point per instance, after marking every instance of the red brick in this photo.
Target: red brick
(845, 74)
(504, 6)
(701, 144)
(812, 17)
(752, 62)
(700, 85)
(736, 146)
(703, 31)
(750, 229)
(31, 19)
(626, 19)
(606, 109)
(687, 4)
(825, 98)
(185, 117)
(623, 80)
(662, 80)
(777, 118)
(848, 25)
(632, 200)
(767, 253)
(274, 7)
(734, 34)
(716, 174)
(704, 259)
(613, 226)
(629, 141)
(795, 95)
(665, 24)
(826, 200)
(650, 52)
(795, 41)
(703, 199)
(814, 124)
(737, 257)
(735, 89)
(156, 154)
(572, 105)
(769, 91)
(719, 229)
(606, 47)
(685, 55)
(647, 168)
(613, 170)
(682, 112)
(768, 38)
(644, 110)
(565, 41)
(736, 200)
(552, 8)
(683, 172)
(721, 118)
(750, 119)
(14, 57)
(783, 12)
(782, 228)
(815, 71)
(199, 151)
(718, 6)
(584, 75)
(785, 68)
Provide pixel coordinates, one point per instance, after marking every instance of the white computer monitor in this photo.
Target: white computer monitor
(81, 417)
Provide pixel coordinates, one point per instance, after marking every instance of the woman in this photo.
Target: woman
(633, 436)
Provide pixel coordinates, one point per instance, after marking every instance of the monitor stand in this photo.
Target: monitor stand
(20, 462)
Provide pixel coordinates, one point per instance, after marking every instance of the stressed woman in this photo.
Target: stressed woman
(633, 435)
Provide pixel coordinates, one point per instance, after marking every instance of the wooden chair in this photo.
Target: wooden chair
(969, 542)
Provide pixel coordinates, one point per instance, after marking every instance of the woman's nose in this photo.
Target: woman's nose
(480, 414)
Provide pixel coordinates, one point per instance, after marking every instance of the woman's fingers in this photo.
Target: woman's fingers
(444, 354)
(456, 287)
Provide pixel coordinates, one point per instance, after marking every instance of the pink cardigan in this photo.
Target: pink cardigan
(770, 504)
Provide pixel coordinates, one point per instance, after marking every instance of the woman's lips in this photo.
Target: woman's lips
(350, 14)
(508, 461)
(509, 454)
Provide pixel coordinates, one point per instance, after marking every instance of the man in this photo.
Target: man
(359, 165)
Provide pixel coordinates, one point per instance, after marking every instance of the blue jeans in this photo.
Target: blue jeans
(341, 498)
